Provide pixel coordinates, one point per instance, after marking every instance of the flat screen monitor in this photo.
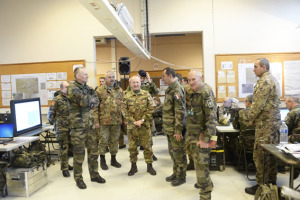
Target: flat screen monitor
(283, 113)
(6, 132)
(26, 115)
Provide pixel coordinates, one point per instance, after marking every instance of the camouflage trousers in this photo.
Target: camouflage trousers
(201, 161)
(81, 139)
(64, 139)
(141, 135)
(109, 137)
(177, 153)
(122, 133)
(266, 164)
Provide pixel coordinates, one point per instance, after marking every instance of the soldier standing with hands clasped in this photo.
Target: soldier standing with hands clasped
(109, 116)
(264, 114)
(173, 120)
(137, 110)
(82, 100)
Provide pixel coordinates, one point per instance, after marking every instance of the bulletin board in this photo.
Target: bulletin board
(53, 72)
(235, 76)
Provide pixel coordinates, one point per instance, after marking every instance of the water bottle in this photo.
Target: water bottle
(283, 134)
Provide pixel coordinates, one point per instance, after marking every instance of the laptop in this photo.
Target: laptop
(6, 132)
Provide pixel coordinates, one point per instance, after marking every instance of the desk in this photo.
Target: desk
(17, 142)
(38, 131)
(286, 158)
(223, 130)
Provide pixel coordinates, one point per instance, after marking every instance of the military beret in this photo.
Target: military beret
(142, 73)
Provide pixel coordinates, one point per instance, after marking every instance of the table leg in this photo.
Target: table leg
(223, 135)
(291, 184)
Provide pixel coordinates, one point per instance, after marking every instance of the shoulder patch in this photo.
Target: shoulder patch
(209, 104)
(177, 96)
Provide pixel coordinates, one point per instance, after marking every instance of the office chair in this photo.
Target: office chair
(247, 139)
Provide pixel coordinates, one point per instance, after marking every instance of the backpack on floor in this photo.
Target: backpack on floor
(267, 192)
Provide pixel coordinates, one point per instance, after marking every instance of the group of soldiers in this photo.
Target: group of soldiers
(189, 122)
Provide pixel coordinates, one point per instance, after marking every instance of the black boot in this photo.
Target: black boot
(65, 173)
(178, 181)
(70, 167)
(81, 184)
(197, 186)
(114, 162)
(190, 166)
(251, 190)
(103, 164)
(171, 178)
(154, 158)
(98, 179)
(150, 169)
(133, 169)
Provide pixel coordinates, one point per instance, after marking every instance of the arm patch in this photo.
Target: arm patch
(209, 104)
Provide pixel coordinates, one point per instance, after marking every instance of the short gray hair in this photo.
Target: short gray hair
(264, 61)
(197, 72)
(293, 99)
(109, 72)
(77, 71)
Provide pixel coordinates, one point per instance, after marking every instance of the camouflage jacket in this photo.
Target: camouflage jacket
(292, 120)
(174, 109)
(265, 106)
(82, 100)
(137, 106)
(241, 120)
(201, 114)
(223, 110)
(109, 111)
(150, 87)
(58, 113)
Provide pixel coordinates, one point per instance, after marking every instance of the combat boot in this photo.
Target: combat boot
(81, 184)
(98, 179)
(150, 169)
(65, 173)
(190, 166)
(251, 190)
(178, 181)
(154, 158)
(171, 178)
(103, 164)
(133, 169)
(114, 162)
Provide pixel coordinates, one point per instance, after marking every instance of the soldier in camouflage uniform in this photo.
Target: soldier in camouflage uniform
(201, 129)
(109, 116)
(292, 119)
(82, 100)
(265, 115)
(137, 110)
(173, 120)
(58, 115)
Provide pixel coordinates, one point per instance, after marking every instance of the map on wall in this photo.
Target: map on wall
(25, 86)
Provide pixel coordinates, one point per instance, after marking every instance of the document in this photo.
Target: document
(5, 86)
(61, 75)
(230, 76)
(247, 79)
(291, 78)
(221, 92)
(51, 76)
(51, 84)
(221, 76)
(226, 65)
(5, 78)
(231, 91)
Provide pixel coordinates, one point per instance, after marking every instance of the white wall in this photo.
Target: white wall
(53, 30)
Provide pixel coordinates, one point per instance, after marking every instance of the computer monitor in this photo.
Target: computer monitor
(6, 132)
(26, 115)
(283, 113)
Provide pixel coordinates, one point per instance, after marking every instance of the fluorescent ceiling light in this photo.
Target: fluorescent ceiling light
(106, 14)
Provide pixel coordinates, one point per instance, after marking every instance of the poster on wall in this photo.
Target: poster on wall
(247, 79)
(291, 78)
(25, 86)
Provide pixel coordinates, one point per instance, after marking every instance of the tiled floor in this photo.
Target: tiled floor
(229, 184)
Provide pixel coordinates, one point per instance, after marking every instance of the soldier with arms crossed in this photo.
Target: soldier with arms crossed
(82, 100)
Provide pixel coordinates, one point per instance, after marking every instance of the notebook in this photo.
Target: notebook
(6, 132)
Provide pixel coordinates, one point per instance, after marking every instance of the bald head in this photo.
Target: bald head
(135, 83)
(195, 80)
(64, 86)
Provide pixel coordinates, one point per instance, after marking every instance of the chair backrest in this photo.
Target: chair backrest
(248, 138)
